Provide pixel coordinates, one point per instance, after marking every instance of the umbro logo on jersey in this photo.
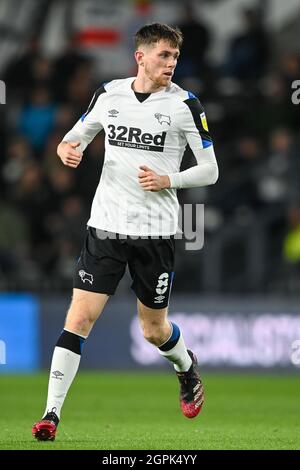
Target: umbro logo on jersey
(113, 113)
(133, 137)
(163, 118)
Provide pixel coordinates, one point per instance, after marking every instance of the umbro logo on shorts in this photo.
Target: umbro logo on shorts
(86, 276)
(159, 299)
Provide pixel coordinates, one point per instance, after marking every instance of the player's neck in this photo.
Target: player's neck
(142, 84)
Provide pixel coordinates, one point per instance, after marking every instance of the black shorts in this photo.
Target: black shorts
(103, 261)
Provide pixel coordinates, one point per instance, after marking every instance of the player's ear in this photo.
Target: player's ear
(139, 57)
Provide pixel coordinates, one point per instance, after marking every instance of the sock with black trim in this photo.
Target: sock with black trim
(65, 363)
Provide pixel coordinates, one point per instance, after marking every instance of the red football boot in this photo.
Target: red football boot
(45, 430)
(191, 390)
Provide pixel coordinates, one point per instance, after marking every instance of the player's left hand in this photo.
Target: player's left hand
(151, 181)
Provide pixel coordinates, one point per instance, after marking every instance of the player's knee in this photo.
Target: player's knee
(152, 338)
(153, 333)
(80, 324)
(81, 319)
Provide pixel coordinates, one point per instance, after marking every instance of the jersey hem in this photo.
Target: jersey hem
(134, 234)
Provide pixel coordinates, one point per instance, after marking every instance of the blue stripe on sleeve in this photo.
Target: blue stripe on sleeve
(206, 143)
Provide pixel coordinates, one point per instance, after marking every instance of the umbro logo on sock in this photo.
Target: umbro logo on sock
(56, 374)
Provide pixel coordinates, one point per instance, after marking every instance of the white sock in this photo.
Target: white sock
(178, 355)
(64, 366)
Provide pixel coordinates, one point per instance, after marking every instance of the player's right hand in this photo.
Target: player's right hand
(68, 154)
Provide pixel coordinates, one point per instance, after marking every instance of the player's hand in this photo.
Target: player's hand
(68, 154)
(151, 181)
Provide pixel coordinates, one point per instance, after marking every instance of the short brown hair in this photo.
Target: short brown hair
(152, 33)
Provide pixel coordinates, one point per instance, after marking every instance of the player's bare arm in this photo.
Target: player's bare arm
(151, 181)
(68, 154)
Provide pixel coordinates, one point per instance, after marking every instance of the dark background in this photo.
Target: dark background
(240, 61)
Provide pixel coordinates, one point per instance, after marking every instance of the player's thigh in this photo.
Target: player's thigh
(85, 308)
(101, 264)
(152, 269)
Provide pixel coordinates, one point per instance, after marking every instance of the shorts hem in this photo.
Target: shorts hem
(154, 307)
(93, 290)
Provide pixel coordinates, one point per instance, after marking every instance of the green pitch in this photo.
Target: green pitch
(140, 411)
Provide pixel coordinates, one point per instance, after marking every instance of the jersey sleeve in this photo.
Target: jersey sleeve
(192, 123)
(88, 126)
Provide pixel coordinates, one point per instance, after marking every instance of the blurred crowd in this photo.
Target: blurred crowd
(44, 206)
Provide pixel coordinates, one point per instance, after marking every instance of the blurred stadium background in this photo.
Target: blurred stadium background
(237, 300)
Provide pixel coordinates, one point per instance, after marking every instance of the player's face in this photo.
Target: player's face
(160, 61)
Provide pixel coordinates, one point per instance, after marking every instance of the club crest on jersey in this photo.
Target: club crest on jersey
(163, 118)
(113, 113)
(86, 276)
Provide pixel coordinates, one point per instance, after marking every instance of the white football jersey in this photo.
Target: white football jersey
(154, 133)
